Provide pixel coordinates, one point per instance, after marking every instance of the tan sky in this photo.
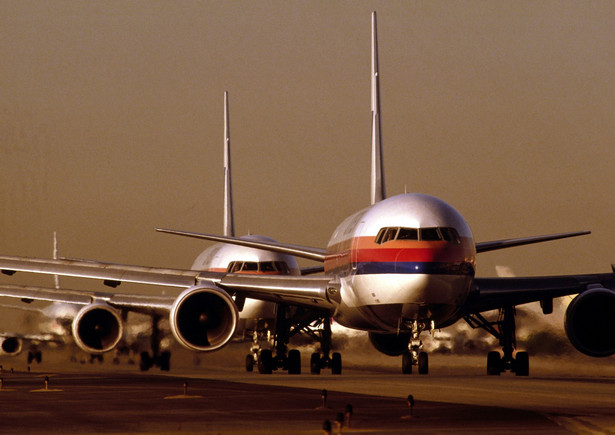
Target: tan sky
(111, 122)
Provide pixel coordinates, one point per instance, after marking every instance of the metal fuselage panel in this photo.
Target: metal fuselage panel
(217, 259)
(386, 285)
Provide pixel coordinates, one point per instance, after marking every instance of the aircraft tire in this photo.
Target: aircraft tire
(146, 362)
(294, 362)
(522, 364)
(165, 361)
(406, 363)
(336, 363)
(30, 357)
(315, 364)
(265, 362)
(494, 363)
(249, 363)
(423, 363)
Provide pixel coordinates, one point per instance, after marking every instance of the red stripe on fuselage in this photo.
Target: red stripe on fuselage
(365, 249)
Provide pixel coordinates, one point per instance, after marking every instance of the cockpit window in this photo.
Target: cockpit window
(427, 234)
(408, 234)
(270, 267)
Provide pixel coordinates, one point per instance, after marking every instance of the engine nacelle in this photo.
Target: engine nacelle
(590, 322)
(204, 318)
(10, 345)
(390, 344)
(97, 328)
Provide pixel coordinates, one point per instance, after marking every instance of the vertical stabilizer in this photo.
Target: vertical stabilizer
(229, 223)
(377, 181)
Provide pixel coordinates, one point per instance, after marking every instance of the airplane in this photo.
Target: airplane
(403, 265)
(255, 318)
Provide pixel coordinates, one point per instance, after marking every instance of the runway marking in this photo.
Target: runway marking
(183, 396)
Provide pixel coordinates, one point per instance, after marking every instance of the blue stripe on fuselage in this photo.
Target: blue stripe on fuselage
(412, 267)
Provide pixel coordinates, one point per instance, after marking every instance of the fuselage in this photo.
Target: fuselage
(409, 258)
(223, 257)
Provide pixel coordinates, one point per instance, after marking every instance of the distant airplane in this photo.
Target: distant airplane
(404, 265)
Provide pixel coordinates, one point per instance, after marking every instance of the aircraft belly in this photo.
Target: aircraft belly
(256, 309)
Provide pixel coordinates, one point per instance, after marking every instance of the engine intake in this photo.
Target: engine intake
(590, 322)
(11, 345)
(97, 328)
(204, 318)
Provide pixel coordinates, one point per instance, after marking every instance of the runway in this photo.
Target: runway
(222, 399)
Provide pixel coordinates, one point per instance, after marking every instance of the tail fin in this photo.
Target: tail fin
(229, 222)
(377, 181)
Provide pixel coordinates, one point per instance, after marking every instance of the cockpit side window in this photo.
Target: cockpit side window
(282, 268)
(450, 235)
(386, 235)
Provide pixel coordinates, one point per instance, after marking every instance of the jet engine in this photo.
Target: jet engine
(10, 346)
(590, 322)
(97, 328)
(204, 318)
(390, 344)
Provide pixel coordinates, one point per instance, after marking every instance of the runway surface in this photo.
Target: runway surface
(223, 399)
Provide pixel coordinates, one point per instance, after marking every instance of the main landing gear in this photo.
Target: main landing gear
(504, 330)
(157, 358)
(34, 355)
(288, 323)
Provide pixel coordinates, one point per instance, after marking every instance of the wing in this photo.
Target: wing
(314, 292)
(509, 243)
(56, 338)
(146, 304)
(493, 293)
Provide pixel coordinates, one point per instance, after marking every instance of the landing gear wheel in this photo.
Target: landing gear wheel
(423, 363)
(406, 363)
(294, 362)
(165, 361)
(146, 362)
(494, 363)
(522, 364)
(265, 362)
(249, 363)
(315, 364)
(336, 363)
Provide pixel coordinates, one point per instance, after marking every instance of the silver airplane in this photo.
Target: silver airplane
(402, 266)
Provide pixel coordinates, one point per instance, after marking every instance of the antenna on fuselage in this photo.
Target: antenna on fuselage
(229, 223)
(377, 181)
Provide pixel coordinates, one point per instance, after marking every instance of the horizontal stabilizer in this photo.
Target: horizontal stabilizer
(509, 243)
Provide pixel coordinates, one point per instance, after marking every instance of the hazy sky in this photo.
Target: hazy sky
(111, 122)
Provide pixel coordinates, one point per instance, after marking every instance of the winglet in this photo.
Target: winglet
(229, 221)
(377, 181)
